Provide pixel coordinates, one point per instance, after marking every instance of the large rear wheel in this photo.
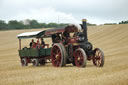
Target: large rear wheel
(98, 58)
(58, 55)
(80, 58)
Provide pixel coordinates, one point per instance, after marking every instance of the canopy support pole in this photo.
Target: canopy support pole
(19, 44)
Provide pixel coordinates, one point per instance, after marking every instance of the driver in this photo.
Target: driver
(42, 42)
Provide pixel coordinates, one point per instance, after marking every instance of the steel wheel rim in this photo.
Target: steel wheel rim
(56, 56)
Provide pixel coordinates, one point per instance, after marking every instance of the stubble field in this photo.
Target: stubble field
(112, 39)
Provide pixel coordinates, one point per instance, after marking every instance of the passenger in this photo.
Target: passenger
(38, 44)
(42, 42)
(32, 44)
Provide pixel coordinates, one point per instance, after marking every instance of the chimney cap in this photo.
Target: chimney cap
(84, 20)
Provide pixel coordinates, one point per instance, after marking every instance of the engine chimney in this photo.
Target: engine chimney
(85, 30)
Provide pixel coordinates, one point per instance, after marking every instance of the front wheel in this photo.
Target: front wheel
(98, 57)
(80, 58)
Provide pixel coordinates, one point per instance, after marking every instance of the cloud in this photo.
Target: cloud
(46, 15)
(96, 11)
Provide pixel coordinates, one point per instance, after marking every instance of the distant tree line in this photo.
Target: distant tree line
(123, 22)
(30, 24)
(89, 24)
(110, 23)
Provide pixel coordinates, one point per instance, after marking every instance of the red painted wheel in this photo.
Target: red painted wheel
(80, 58)
(58, 55)
(98, 58)
(24, 62)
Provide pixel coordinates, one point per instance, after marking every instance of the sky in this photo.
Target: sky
(65, 11)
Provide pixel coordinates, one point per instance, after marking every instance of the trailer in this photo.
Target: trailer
(36, 55)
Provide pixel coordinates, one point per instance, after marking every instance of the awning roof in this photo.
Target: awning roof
(54, 31)
(48, 33)
(36, 34)
(69, 28)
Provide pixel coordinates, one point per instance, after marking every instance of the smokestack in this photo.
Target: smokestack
(85, 29)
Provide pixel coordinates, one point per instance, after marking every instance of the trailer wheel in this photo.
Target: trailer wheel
(35, 62)
(98, 58)
(80, 58)
(24, 62)
(42, 62)
(58, 55)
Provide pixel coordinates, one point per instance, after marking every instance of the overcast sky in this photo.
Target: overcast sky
(68, 11)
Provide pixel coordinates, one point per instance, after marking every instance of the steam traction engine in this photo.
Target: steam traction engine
(76, 49)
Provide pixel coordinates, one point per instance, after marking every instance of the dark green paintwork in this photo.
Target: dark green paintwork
(48, 51)
(45, 51)
(42, 52)
(33, 52)
(22, 53)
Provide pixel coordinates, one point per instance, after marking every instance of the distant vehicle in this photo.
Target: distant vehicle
(69, 45)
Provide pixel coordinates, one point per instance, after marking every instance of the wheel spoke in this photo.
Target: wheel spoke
(57, 51)
(96, 53)
(54, 53)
